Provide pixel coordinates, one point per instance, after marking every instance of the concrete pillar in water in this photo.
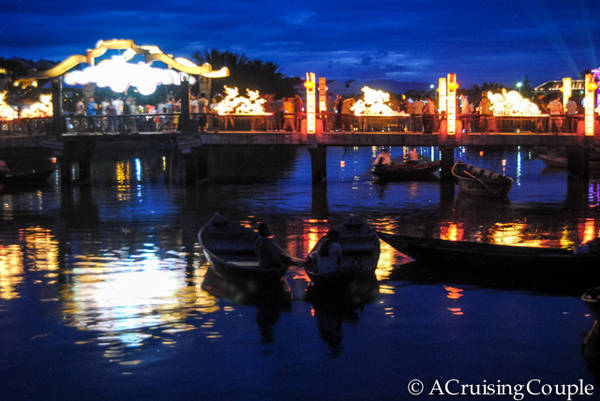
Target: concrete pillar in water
(447, 162)
(318, 164)
(577, 177)
(66, 172)
(319, 204)
(196, 166)
(58, 125)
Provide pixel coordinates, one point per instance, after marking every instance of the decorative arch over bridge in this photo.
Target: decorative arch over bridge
(151, 53)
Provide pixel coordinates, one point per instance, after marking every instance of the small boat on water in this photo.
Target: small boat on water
(465, 255)
(26, 178)
(410, 171)
(557, 159)
(231, 250)
(477, 181)
(591, 298)
(360, 254)
(23, 177)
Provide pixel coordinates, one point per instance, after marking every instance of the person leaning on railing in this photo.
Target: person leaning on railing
(571, 121)
(428, 116)
(556, 111)
(484, 114)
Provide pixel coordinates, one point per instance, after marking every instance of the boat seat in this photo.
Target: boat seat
(233, 247)
(358, 246)
(246, 263)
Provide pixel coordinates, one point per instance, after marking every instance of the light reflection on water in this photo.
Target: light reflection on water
(131, 277)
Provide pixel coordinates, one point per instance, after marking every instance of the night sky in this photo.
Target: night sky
(497, 41)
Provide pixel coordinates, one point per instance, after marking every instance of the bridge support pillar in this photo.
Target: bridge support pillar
(196, 166)
(318, 164)
(447, 162)
(577, 177)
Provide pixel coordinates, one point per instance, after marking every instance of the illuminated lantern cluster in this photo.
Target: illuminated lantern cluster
(43, 108)
(311, 110)
(374, 103)
(7, 112)
(512, 104)
(451, 103)
(235, 104)
(118, 74)
(590, 91)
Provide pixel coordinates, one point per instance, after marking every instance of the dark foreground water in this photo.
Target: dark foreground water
(104, 292)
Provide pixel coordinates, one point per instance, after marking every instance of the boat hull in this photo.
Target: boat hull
(231, 251)
(462, 254)
(406, 171)
(360, 254)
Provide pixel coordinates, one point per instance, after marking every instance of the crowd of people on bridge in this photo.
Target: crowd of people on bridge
(417, 114)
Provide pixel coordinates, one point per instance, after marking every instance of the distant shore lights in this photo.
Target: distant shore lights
(373, 103)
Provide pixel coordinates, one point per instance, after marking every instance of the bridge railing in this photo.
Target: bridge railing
(26, 126)
(292, 122)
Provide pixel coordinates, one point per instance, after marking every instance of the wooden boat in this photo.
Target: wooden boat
(556, 159)
(360, 254)
(591, 298)
(481, 182)
(464, 254)
(231, 251)
(406, 171)
(26, 178)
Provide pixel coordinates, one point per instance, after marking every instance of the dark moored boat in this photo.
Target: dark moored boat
(406, 171)
(463, 254)
(557, 159)
(231, 251)
(481, 182)
(591, 298)
(26, 178)
(360, 253)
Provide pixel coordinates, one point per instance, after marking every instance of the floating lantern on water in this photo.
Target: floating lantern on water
(512, 104)
(43, 108)
(7, 112)
(253, 105)
(374, 103)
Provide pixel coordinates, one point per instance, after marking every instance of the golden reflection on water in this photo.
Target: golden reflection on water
(38, 249)
(513, 234)
(452, 231)
(11, 270)
(129, 300)
(454, 294)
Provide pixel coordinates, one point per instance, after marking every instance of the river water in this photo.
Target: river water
(104, 292)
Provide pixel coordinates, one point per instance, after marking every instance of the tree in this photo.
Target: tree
(247, 73)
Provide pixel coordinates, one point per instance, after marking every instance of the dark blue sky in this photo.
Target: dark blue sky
(498, 41)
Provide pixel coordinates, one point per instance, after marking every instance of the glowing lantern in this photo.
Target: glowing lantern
(566, 91)
(442, 94)
(590, 90)
(451, 104)
(322, 95)
(309, 84)
(43, 108)
(512, 104)
(235, 104)
(7, 112)
(118, 74)
(374, 103)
